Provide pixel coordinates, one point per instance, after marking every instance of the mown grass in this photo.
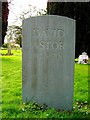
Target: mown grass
(13, 106)
(13, 51)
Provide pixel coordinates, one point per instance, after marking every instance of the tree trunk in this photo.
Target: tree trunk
(5, 12)
(9, 49)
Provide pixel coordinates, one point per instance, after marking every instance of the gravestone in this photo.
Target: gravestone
(48, 61)
(83, 58)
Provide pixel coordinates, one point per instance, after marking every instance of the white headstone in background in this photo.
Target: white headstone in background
(48, 61)
(83, 59)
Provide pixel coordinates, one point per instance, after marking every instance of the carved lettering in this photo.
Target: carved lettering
(44, 39)
(42, 44)
(48, 45)
(48, 32)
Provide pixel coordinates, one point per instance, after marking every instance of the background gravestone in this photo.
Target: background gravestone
(48, 61)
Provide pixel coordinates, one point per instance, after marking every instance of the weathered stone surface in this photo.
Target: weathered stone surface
(48, 61)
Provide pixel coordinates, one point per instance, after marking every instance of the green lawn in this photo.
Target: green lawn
(12, 105)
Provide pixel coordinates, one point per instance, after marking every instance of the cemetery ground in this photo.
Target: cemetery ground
(13, 106)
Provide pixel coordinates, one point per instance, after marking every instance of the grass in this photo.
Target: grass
(15, 52)
(13, 106)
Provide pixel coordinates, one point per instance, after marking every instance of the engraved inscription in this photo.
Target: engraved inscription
(41, 38)
(48, 32)
(48, 45)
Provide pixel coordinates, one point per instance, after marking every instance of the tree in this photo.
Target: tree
(5, 12)
(80, 11)
(14, 36)
(31, 11)
(14, 33)
(18, 37)
(9, 38)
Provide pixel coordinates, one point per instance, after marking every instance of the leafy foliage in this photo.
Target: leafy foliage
(14, 34)
(5, 45)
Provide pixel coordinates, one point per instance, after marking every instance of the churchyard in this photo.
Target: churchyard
(42, 80)
(13, 105)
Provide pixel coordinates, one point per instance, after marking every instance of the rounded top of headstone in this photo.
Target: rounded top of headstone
(84, 53)
(48, 16)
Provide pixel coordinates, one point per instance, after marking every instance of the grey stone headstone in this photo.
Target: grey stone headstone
(48, 61)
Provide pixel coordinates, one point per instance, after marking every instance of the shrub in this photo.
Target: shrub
(5, 45)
